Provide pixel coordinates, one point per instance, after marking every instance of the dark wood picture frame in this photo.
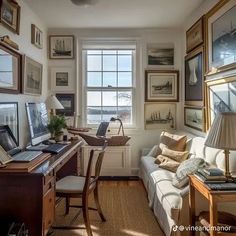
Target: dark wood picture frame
(167, 83)
(195, 35)
(18, 82)
(194, 77)
(62, 46)
(15, 7)
(195, 118)
(10, 119)
(67, 111)
(36, 36)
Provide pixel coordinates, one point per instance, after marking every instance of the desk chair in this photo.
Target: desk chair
(80, 187)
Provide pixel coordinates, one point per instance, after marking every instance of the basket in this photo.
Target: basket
(112, 141)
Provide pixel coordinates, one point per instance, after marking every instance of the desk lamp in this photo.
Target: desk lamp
(222, 135)
(52, 104)
(113, 119)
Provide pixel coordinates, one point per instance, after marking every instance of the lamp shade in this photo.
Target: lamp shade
(53, 103)
(222, 134)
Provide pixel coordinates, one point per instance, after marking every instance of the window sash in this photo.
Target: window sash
(110, 88)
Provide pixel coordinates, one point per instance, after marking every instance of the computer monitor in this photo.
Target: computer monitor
(38, 121)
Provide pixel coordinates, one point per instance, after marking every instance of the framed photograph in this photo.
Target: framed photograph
(36, 36)
(221, 39)
(194, 118)
(32, 77)
(10, 70)
(194, 77)
(195, 35)
(68, 102)
(9, 116)
(221, 96)
(160, 56)
(10, 15)
(61, 47)
(161, 85)
(62, 79)
(160, 115)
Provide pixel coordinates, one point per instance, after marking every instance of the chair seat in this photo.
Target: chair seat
(70, 184)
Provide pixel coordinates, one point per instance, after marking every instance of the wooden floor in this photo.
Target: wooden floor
(125, 206)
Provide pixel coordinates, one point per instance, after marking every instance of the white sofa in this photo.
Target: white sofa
(170, 204)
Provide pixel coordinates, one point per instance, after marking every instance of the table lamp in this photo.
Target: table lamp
(113, 119)
(222, 135)
(52, 104)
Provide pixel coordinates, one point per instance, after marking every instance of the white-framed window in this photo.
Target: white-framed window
(109, 82)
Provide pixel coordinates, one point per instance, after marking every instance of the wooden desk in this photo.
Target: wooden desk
(27, 190)
(214, 197)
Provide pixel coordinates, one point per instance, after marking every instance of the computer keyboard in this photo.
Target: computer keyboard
(26, 156)
(54, 148)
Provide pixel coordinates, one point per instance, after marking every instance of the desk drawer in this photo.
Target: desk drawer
(48, 210)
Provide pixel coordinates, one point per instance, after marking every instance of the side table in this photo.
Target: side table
(213, 197)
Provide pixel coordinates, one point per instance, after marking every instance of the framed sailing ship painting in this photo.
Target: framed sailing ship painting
(61, 47)
(221, 37)
(161, 85)
(160, 116)
(194, 77)
(194, 118)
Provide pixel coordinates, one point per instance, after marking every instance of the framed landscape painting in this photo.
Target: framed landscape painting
(194, 77)
(61, 79)
(61, 47)
(160, 115)
(194, 118)
(10, 70)
(221, 37)
(10, 15)
(68, 102)
(32, 77)
(158, 56)
(194, 35)
(161, 85)
(221, 96)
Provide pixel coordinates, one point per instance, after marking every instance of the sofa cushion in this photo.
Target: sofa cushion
(167, 194)
(186, 168)
(167, 163)
(172, 141)
(153, 152)
(175, 155)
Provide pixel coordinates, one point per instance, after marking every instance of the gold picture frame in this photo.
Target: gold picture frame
(194, 117)
(220, 97)
(195, 35)
(10, 15)
(219, 24)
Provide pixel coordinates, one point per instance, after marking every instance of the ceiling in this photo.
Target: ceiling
(114, 13)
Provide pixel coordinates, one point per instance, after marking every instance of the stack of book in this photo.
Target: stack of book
(211, 175)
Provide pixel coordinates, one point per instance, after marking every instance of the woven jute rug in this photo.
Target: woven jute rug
(125, 207)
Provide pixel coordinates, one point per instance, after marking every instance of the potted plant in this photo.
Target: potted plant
(55, 126)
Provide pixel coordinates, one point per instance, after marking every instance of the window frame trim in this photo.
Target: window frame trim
(85, 88)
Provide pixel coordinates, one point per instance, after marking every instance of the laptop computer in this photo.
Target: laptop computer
(9, 150)
(102, 129)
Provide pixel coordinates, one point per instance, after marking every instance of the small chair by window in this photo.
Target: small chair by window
(80, 187)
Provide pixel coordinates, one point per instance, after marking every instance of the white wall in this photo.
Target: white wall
(140, 137)
(191, 19)
(24, 41)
